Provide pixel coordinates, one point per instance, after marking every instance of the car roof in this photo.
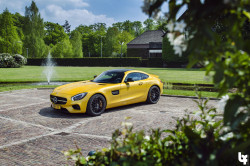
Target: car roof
(126, 71)
(120, 70)
(136, 71)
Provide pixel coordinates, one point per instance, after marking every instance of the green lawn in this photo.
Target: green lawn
(35, 74)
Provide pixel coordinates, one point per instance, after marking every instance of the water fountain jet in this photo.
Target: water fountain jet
(48, 72)
(49, 68)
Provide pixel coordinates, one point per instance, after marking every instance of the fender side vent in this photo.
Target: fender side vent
(115, 92)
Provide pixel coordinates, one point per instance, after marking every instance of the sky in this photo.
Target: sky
(85, 12)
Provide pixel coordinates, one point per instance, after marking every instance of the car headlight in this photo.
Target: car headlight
(78, 96)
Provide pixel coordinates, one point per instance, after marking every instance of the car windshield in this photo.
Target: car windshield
(109, 77)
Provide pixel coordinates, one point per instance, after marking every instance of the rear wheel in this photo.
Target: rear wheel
(96, 105)
(153, 95)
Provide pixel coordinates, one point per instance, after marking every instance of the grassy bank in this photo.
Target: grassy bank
(21, 86)
(189, 93)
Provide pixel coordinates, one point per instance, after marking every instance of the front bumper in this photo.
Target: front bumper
(63, 101)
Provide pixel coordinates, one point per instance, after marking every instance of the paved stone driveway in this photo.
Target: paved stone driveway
(31, 133)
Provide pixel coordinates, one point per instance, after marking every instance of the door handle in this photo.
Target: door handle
(140, 83)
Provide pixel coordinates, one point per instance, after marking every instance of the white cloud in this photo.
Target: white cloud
(65, 3)
(13, 6)
(19, 5)
(79, 3)
(57, 11)
(75, 17)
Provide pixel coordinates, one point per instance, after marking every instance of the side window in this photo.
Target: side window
(144, 76)
(134, 76)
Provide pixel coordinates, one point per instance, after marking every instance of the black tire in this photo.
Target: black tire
(153, 95)
(96, 105)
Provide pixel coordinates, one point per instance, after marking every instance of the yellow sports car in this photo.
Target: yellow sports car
(110, 89)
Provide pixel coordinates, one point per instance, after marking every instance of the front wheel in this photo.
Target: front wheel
(153, 95)
(96, 105)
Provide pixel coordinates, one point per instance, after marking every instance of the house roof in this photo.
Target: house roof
(148, 36)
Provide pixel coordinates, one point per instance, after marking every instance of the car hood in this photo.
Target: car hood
(77, 87)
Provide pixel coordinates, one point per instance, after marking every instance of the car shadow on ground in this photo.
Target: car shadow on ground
(52, 113)
(125, 107)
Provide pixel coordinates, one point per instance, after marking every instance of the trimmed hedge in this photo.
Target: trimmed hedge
(159, 62)
(116, 62)
(155, 62)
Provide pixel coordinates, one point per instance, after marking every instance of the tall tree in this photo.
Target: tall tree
(100, 34)
(91, 44)
(149, 24)
(128, 26)
(110, 41)
(62, 49)
(54, 33)
(34, 32)
(98, 27)
(85, 32)
(83, 29)
(10, 41)
(91, 38)
(161, 24)
(76, 41)
(66, 27)
(118, 25)
(137, 25)
(123, 38)
(18, 20)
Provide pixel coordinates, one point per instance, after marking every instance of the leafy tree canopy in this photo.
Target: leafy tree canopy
(10, 41)
(217, 33)
(54, 33)
(34, 32)
(149, 24)
(76, 41)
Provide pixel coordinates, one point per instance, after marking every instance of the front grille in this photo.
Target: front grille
(58, 100)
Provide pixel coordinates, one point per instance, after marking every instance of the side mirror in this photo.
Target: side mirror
(129, 80)
(95, 76)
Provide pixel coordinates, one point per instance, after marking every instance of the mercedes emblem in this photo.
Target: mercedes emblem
(55, 100)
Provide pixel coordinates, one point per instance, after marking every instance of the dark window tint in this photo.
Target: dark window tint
(136, 76)
(109, 77)
(144, 76)
(133, 76)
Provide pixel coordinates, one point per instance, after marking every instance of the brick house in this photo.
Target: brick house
(147, 45)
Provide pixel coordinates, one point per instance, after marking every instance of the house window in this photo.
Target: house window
(155, 53)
